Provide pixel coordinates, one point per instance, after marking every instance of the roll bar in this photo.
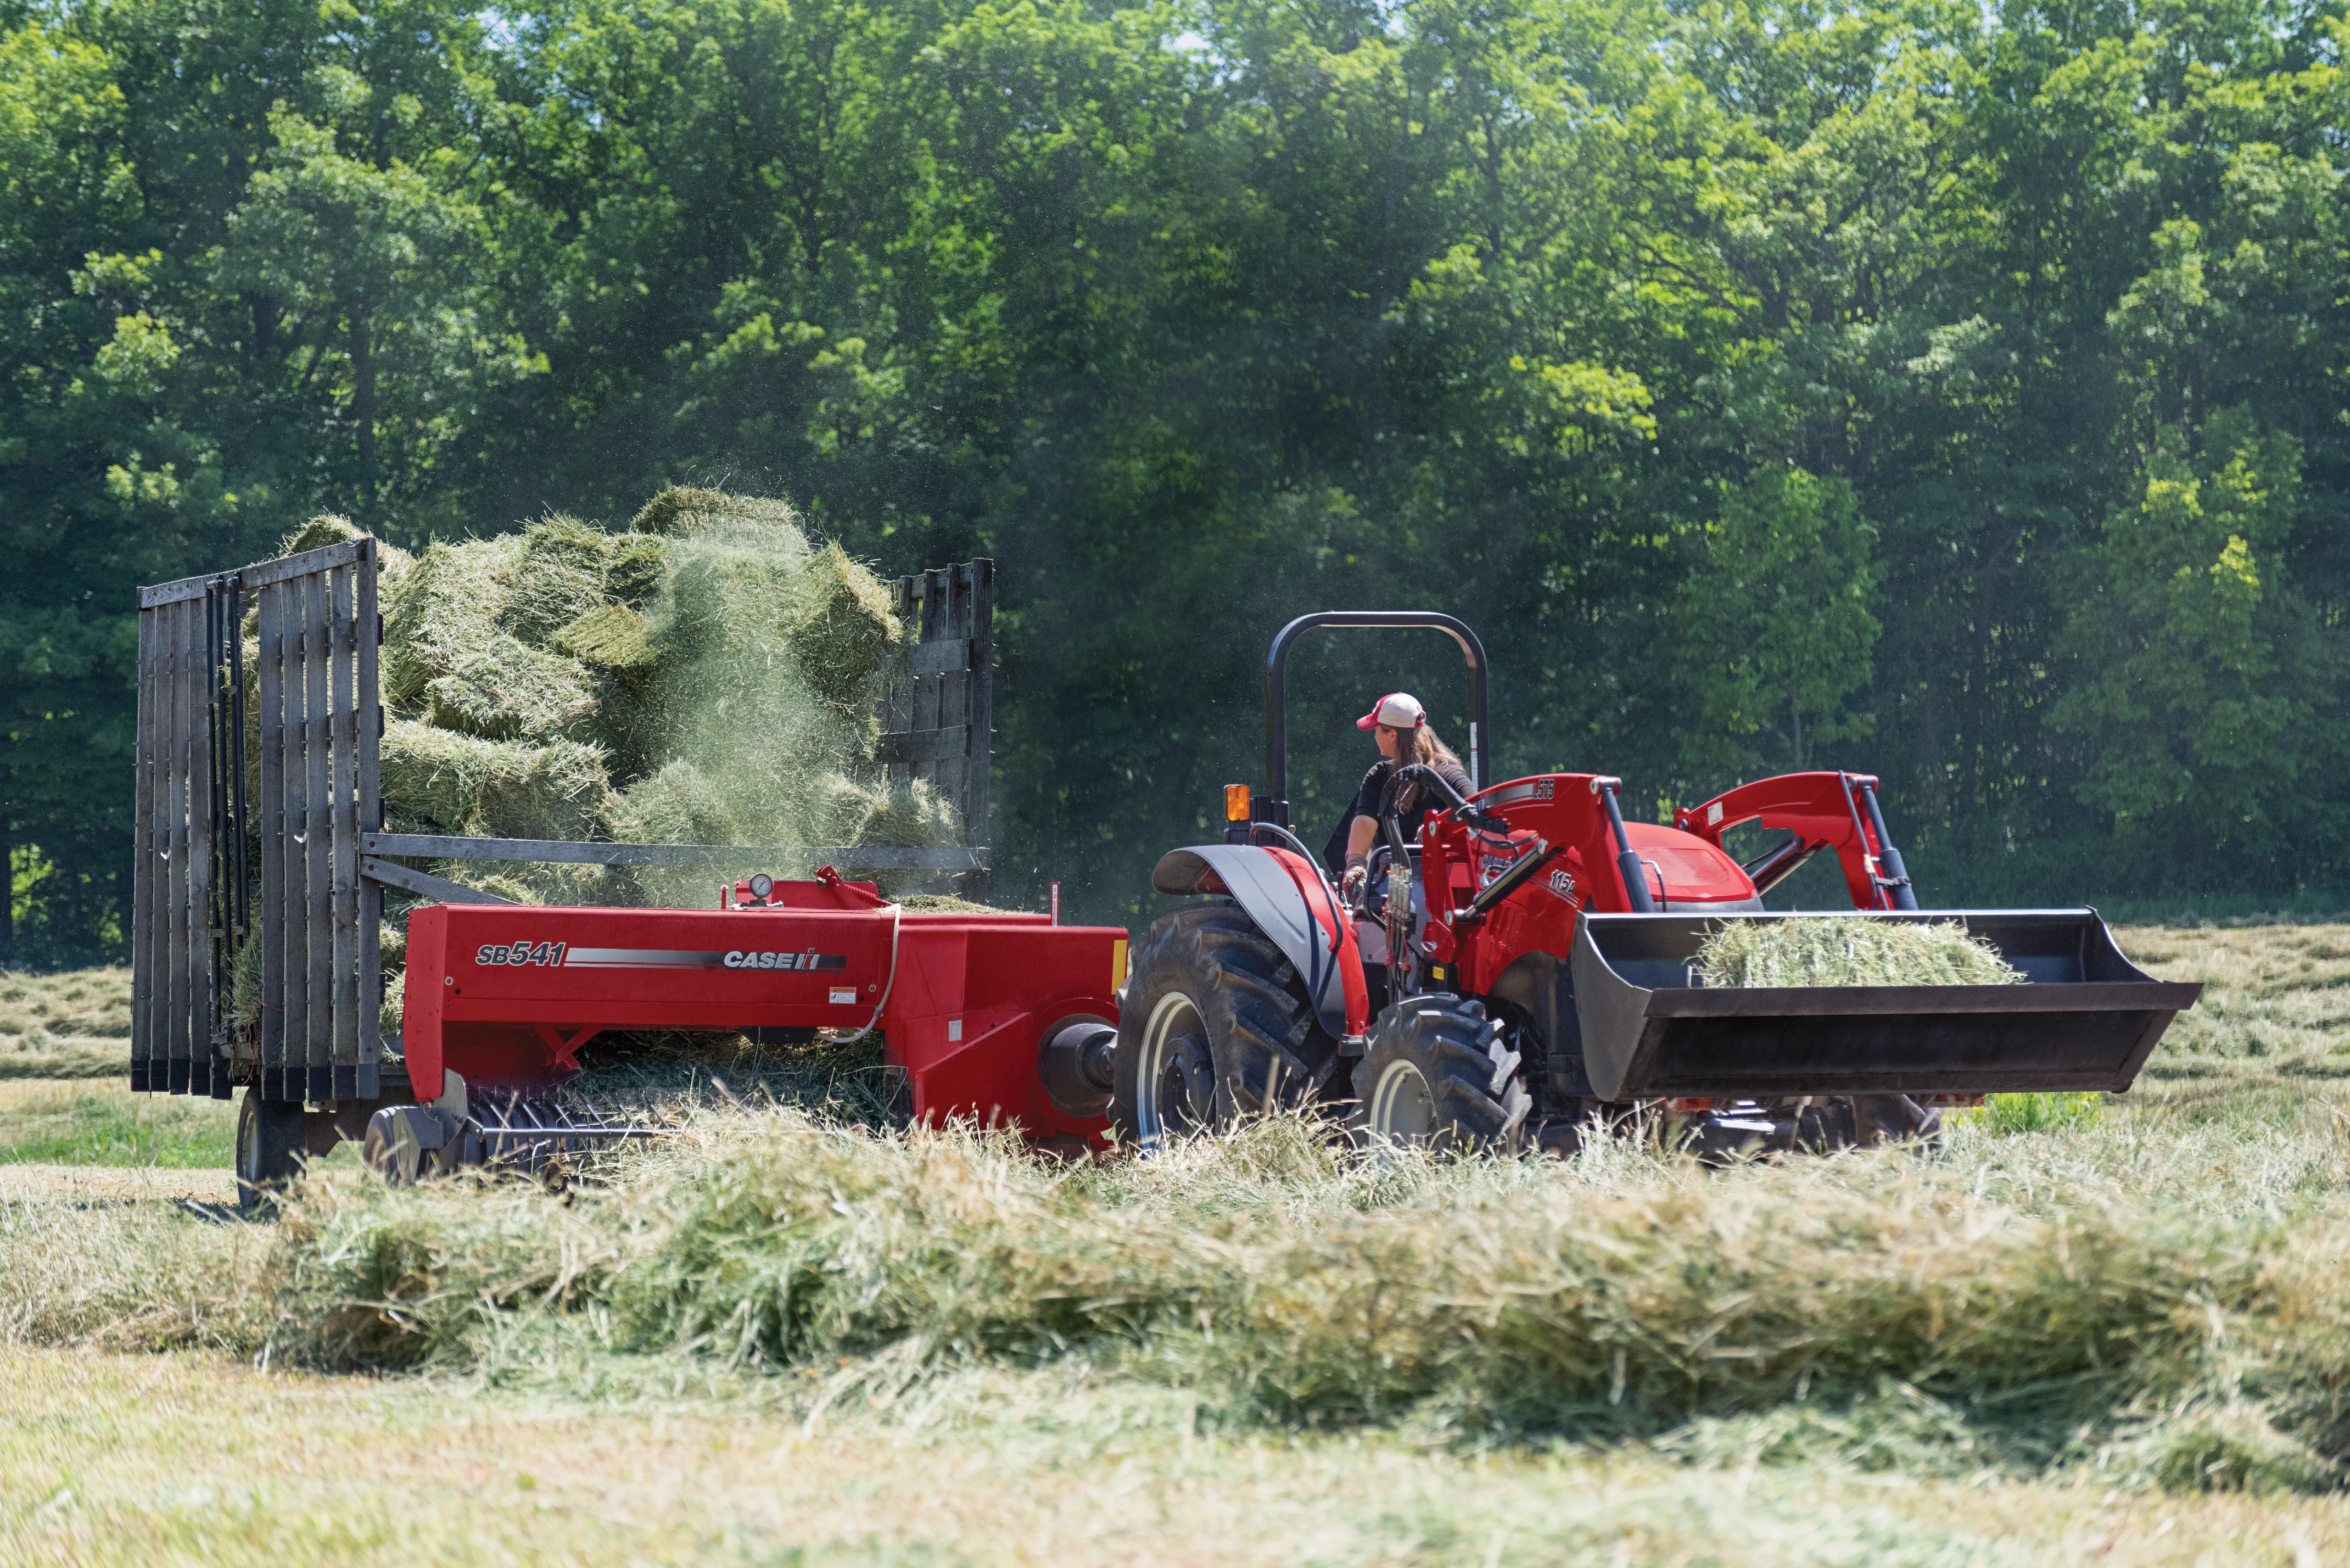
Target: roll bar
(1274, 807)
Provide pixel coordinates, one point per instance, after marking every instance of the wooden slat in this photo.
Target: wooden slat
(981, 751)
(897, 708)
(318, 817)
(928, 689)
(342, 782)
(270, 919)
(367, 812)
(215, 880)
(392, 874)
(294, 930)
(159, 829)
(955, 693)
(175, 826)
(162, 594)
(940, 657)
(568, 852)
(923, 747)
(143, 876)
(159, 852)
(286, 568)
(199, 843)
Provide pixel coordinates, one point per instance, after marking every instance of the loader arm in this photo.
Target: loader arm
(1835, 810)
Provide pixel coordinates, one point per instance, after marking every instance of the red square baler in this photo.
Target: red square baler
(1000, 1018)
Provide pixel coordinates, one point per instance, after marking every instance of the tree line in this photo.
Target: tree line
(1948, 391)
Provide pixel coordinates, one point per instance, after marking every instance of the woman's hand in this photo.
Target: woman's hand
(1357, 874)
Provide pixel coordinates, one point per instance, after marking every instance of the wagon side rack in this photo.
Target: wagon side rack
(300, 864)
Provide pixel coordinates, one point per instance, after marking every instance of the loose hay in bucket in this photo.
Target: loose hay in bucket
(1849, 951)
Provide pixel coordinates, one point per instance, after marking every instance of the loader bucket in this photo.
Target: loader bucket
(2086, 1019)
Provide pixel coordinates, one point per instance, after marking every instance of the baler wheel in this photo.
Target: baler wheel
(1439, 1075)
(271, 1140)
(1215, 1024)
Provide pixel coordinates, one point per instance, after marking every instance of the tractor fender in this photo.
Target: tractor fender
(1284, 893)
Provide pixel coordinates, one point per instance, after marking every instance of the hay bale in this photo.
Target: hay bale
(557, 576)
(682, 510)
(712, 662)
(609, 636)
(909, 815)
(511, 690)
(678, 804)
(842, 629)
(332, 528)
(1849, 950)
(465, 607)
(244, 983)
(445, 613)
(633, 573)
(460, 783)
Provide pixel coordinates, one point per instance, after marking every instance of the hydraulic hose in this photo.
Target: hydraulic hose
(1635, 878)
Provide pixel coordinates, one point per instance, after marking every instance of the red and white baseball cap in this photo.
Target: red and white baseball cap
(1397, 710)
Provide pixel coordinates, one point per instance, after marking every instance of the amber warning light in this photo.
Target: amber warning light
(1236, 803)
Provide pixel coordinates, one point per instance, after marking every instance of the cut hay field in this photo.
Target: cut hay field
(2123, 1337)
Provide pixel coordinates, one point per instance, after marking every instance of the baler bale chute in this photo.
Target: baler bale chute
(1529, 961)
(990, 1016)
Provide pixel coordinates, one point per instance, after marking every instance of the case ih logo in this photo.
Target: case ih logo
(806, 960)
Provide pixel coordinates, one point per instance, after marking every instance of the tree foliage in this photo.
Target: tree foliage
(1958, 389)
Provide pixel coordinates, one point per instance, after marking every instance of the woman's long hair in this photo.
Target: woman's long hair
(1420, 745)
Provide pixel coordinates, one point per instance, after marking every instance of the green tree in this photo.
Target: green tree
(1776, 628)
(2202, 673)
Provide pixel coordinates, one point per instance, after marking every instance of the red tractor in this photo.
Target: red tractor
(1525, 964)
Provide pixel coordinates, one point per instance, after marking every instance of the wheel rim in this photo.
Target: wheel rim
(1403, 1106)
(248, 1141)
(1173, 1076)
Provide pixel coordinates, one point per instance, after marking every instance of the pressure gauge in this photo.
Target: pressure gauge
(761, 886)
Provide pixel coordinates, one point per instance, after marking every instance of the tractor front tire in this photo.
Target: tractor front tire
(1215, 1025)
(272, 1139)
(1438, 1075)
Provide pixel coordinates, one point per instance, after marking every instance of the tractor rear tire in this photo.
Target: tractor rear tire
(1439, 1075)
(1215, 1025)
(272, 1139)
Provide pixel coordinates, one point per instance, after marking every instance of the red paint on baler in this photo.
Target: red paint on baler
(971, 997)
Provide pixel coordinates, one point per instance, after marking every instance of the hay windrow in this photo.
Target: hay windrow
(1849, 951)
(2075, 1318)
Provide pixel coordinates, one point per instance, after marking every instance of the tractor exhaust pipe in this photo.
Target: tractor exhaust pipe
(2087, 1018)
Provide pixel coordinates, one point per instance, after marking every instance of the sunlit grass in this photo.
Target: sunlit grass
(103, 1123)
(76, 1025)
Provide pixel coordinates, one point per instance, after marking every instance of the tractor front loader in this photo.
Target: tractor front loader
(1526, 964)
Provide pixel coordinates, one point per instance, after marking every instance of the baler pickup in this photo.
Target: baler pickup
(2085, 1019)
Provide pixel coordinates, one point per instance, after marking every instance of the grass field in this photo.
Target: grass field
(2119, 1335)
(74, 1025)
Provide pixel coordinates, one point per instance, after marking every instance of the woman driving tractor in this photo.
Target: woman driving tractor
(1400, 724)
